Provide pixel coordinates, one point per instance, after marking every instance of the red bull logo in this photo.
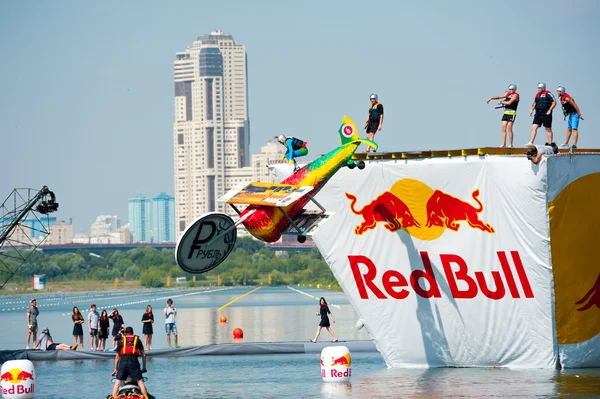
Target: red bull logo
(392, 282)
(345, 360)
(17, 377)
(419, 210)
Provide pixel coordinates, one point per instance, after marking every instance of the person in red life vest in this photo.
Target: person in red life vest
(543, 104)
(374, 120)
(127, 363)
(572, 114)
(295, 148)
(510, 101)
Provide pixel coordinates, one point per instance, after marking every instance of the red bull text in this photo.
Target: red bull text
(391, 282)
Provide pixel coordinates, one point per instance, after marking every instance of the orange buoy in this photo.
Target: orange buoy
(223, 319)
(238, 333)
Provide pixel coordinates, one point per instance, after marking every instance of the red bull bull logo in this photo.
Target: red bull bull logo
(419, 210)
(13, 379)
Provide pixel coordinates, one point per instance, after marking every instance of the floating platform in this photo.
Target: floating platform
(247, 348)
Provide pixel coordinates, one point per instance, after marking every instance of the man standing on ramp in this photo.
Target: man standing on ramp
(374, 121)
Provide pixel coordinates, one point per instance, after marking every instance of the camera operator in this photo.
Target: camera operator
(534, 152)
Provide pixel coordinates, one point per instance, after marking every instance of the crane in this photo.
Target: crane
(15, 248)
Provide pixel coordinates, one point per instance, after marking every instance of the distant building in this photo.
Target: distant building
(163, 218)
(269, 154)
(37, 228)
(139, 218)
(104, 226)
(60, 233)
(211, 130)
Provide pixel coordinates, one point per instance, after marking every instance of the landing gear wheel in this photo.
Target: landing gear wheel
(301, 239)
(351, 165)
(361, 165)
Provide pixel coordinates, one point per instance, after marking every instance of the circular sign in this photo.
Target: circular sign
(206, 243)
(347, 130)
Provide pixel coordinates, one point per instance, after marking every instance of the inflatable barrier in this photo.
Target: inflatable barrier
(467, 259)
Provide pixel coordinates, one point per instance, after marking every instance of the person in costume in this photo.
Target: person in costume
(294, 148)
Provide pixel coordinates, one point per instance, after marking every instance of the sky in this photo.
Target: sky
(86, 88)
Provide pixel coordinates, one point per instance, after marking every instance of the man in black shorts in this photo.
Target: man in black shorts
(543, 104)
(127, 363)
(374, 121)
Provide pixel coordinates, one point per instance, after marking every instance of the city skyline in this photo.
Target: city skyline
(89, 111)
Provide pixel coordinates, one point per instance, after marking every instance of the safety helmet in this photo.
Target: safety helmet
(560, 89)
(512, 87)
(373, 96)
(542, 86)
(281, 138)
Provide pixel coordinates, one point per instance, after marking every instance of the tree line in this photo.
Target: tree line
(249, 263)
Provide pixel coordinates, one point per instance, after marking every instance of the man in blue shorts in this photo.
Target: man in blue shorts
(170, 326)
(93, 325)
(572, 114)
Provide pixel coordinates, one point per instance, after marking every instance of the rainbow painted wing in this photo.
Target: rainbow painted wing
(265, 194)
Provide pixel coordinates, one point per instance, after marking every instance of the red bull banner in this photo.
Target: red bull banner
(470, 261)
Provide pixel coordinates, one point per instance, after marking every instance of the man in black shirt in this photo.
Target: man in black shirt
(127, 363)
(543, 104)
(374, 121)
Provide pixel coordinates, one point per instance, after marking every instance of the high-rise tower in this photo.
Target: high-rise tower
(211, 132)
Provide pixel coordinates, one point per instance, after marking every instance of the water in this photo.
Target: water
(267, 315)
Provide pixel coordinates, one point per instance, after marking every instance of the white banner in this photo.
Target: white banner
(447, 260)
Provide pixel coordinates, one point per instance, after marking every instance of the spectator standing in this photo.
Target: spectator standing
(93, 325)
(31, 318)
(170, 327)
(117, 323)
(77, 327)
(104, 325)
(148, 330)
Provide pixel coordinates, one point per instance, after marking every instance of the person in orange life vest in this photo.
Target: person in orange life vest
(543, 104)
(126, 361)
(510, 101)
(374, 120)
(295, 148)
(572, 113)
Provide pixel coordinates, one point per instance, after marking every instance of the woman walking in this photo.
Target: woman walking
(78, 320)
(323, 312)
(104, 324)
(147, 329)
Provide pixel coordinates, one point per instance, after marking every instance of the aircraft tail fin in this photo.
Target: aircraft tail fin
(348, 132)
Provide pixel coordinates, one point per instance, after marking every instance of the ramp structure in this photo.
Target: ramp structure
(470, 258)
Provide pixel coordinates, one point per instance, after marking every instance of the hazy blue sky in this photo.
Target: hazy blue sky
(86, 87)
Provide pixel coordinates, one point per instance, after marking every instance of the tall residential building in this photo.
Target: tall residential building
(211, 132)
(139, 218)
(163, 218)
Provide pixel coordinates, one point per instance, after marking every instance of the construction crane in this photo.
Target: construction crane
(16, 242)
